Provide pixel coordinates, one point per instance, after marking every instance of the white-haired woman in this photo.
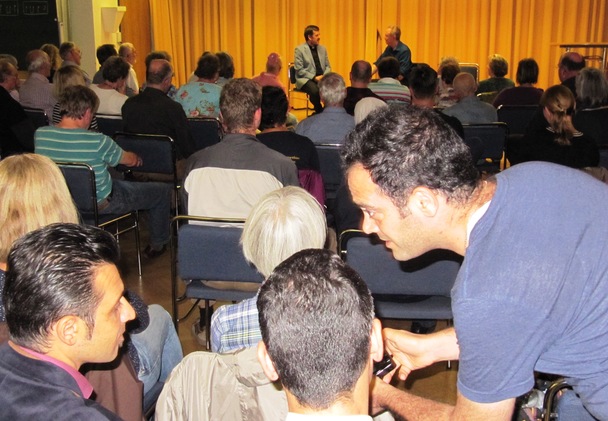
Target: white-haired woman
(282, 223)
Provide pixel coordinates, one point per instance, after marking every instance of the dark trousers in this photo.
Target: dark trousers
(312, 89)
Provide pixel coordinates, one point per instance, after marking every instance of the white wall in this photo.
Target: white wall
(82, 24)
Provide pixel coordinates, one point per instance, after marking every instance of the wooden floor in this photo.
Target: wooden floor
(436, 382)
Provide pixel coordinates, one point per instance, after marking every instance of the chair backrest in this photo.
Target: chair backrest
(516, 117)
(205, 131)
(109, 124)
(156, 151)
(292, 73)
(37, 116)
(431, 274)
(80, 179)
(493, 137)
(331, 167)
(472, 68)
(210, 252)
(487, 97)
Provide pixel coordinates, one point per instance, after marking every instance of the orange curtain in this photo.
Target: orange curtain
(471, 30)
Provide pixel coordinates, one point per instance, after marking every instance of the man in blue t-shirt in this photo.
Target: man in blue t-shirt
(531, 294)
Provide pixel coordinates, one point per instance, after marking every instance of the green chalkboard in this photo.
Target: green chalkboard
(27, 24)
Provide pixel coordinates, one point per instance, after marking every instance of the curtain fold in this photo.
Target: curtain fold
(471, 30)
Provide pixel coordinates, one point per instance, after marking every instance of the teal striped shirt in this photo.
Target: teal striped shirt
(80, 145)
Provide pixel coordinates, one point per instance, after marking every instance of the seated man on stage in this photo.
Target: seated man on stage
(311, 63)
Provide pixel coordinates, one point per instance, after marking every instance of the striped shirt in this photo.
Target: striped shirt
(79, 145)
(391, 90)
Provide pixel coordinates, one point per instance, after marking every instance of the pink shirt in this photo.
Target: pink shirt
(85, 387)
(269, 79)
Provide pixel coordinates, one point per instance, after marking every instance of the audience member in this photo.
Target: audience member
(470, 109)
(557, 140)
(388, 87)
(36, 91)
(201, 98)
(71, 271)
(103, 53)
(592, 104)
(53, 52)
(71, 56)
(525, 93)
(334, 123)
(111, 92)
(35, 194)
(366, 106)
(277, 136)
(320, 338)
(13, 60)
(274, 65)
(16, 130)
(160, 55)
(446, 96)
(419, 190)
(270, 77)
(570, 65)
(64, 78)
(310, 64)
(282, 223)
(397, 49)
(423, 86)
(360, 77)
(498, 67)
(152, 111)
(226, 70)
(227, 179)
(70, 141)
(128, 52)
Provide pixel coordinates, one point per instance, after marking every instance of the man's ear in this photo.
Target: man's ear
(376, 350)
(423, 201)
(266, 362)
(68, 329)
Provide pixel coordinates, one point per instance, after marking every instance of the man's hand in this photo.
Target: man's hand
(131, 159)
(411, 351)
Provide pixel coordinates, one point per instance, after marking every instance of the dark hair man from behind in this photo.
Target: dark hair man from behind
(64, 307)
(388, 67)
(319, 334)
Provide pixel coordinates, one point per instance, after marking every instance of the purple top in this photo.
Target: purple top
(521, 95)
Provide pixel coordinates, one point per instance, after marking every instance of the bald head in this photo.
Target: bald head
(464, 85)
(159, 74)
(274, 64)
(38, 62)
(570, 65)
(360, 74)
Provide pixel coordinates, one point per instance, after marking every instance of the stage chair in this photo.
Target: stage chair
(292, 90)
(80, 179)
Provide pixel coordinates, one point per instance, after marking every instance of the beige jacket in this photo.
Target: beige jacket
(227, 387)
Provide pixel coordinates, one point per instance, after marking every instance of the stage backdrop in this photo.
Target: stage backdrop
(470, 30)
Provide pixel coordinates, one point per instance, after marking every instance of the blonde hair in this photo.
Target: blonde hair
(560, 102)
(65, 77)
(34, 194)
(282, 223)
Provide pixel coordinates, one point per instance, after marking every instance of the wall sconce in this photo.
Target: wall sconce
(111, 18)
